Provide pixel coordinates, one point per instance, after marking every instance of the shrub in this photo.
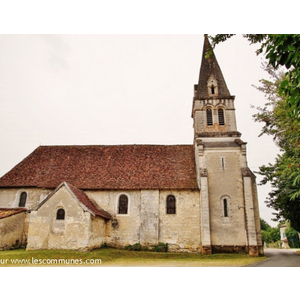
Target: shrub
(161, 247)
(292, 237)
(104, 246)
(134, 247)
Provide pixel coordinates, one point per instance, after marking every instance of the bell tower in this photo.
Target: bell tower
(228, 203)
(213, 106)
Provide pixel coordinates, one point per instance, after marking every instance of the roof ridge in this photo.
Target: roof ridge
(114, 145)
(93, 208)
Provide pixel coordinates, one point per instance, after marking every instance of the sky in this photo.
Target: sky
(132, 87)
(119, 89)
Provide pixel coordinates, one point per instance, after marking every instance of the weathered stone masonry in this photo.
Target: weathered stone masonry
(198, 198)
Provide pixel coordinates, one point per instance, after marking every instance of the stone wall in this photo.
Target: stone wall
(46, 232)
(10, 197)
(225, 182)
(181, 230)
(147, 221)
(12, 231)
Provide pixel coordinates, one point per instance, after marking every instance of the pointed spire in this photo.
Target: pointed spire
(210, 68)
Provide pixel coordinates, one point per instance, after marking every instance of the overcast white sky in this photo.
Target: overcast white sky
(118, 89)
(105, 89)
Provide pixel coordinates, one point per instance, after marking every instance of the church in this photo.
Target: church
(196, 198)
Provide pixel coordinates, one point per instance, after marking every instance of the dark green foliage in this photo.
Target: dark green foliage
(269, 234)
(281, 118)
(104, 246)
(284, 174)
(264, 225)
(292, 237)
(161, 247)
(134, 247)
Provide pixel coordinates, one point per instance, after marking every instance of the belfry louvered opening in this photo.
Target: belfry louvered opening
(221, 116)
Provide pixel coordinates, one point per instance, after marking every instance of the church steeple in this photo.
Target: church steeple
(211, 81)
(213, 106)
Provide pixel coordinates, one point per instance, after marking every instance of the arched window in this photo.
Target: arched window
(209, 117)
(123, 205)
(221, 116)
(60, 214)
(23, 198)
(225, 207)
(171, 204)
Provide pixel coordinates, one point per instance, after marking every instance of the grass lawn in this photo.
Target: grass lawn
(109, 257)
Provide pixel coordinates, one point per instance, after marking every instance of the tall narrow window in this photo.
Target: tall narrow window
(209, 118)
(171, 204)
(23, 198)
(223, 163)
(60, 214)
(123, 205)
(221, 116)
(225, 207)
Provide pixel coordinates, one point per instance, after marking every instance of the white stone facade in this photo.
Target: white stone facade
(214, 203)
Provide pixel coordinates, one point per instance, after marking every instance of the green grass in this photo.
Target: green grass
(118, 257)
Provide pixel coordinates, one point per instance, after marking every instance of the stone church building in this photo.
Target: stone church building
(200, 197)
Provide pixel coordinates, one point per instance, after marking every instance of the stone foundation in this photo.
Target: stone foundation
(206, 250)
(254, 251)
(229, 249)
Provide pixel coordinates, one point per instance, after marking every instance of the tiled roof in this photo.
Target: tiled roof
(107, 167)
(6, 212)
(85, 200)
(82, 198)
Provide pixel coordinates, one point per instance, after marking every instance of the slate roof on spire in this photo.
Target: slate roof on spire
(210, 66)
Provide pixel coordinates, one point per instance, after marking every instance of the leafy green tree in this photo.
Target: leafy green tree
(269, 234)
(292, 237)
(284, 174)
(281, 118)
(264, 225)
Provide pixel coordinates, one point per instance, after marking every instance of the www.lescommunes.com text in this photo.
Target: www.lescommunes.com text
(50, 261)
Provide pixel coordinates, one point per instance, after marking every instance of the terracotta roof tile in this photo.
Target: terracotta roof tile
(107, 167)
(85, 200)
(6, 212)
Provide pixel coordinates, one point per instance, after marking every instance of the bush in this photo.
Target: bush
(270, 236)
(161, 247)
(104, 246)
(292, 237)
(134, 247)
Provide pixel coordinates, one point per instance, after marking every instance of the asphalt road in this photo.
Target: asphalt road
(279, 258)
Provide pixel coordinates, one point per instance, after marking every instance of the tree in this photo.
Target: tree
(284, 174)
(281, 117)
(292, 236)
(269, 234)
(264, 225)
